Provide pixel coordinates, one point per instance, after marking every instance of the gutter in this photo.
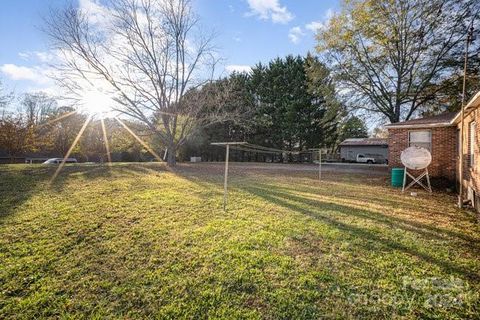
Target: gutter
(419, 126)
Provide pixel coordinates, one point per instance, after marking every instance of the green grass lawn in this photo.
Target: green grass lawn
(140, 241)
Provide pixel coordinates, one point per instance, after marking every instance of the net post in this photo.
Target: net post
(320, 164)
(225, 182)
(227, 155)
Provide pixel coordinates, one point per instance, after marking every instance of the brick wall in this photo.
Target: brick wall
(444, 150)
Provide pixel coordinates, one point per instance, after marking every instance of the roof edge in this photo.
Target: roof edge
(474, 102)
(470, 105)
(428, 125)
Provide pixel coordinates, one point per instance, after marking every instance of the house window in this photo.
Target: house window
(422, 139)
(471, 143)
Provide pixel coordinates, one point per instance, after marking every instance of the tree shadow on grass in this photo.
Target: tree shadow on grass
(395, 197)
(391, 220)
(20, 182)
(315, 209)
(426, 231)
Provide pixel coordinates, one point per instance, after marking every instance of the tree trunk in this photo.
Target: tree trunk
(171, 155)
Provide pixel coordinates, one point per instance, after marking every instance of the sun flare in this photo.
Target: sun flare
(97, 103)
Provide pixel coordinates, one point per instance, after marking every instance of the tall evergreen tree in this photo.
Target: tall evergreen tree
(289, 104)
(290, 113)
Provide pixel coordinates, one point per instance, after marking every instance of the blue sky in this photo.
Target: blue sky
(248, 31)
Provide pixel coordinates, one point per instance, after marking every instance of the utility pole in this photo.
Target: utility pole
(462, 114)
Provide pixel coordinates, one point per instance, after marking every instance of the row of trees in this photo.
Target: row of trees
(395, 59)
(157, 63)
(34, 124)
(288, 104)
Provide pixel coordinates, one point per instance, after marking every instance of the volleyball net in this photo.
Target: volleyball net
(253, 148)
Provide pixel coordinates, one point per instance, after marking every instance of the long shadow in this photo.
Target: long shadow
(358, 185)
(18, 183)
(206, 180)
(406, 224)
(271, 193)
(355, 231)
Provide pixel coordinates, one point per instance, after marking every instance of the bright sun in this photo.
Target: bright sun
(95, 102)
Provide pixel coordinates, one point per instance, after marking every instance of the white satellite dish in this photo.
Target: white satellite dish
(416, 158)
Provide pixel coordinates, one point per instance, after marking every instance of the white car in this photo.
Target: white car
(59, 160)
(361, 158)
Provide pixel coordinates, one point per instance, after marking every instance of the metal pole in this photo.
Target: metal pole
(428, 181)
(320, 164)
(460, 166)
(225, 182)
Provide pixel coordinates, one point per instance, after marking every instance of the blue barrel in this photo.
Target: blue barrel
(397, 177)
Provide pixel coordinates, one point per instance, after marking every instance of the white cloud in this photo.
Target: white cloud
(37, 78)
(270, 10)
(44, 56)
(40, 56)
(24, 55)
(94, 11)
(315, 26)
(34, 74)
(329, 14)
(238, 68)
(295, 34)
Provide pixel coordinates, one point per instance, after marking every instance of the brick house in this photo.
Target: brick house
(440, 134)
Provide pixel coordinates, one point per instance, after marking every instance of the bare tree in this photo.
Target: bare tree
(389, 55)
(37, 107)
(148, 53)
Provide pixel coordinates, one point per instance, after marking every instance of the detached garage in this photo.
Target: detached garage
(369, 147)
